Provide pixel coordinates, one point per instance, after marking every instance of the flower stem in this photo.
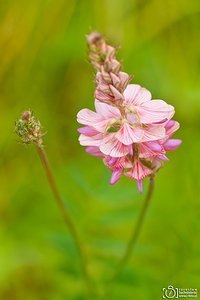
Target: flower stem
(136, 231)
(64, 212)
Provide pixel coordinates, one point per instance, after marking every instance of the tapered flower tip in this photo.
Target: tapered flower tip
(94, 38)
(139, 184)
(163, 157)
(170, 124)
(172, 144)
(115, 176)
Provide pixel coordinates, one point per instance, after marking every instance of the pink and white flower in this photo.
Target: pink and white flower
(128, 130)
(140, 119)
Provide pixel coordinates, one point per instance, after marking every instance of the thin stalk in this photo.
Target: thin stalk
(64, 212)
(127, 254)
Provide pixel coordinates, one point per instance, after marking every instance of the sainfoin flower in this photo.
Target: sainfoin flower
(128, 130)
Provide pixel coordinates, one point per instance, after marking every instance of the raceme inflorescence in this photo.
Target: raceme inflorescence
(128, 130)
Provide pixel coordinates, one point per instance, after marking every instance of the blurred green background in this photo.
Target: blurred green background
(44, 67)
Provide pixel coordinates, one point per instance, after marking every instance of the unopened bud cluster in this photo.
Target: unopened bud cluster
(28, 128)
(111, 81)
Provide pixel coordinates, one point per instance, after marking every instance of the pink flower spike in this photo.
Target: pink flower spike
(139, 184)
(172, 144)
(127, 129)
(115, 176)
(163, 157)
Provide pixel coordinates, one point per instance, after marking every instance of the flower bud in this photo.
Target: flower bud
(117, 95)
(28, 128)
(94, 39)
(115, 176)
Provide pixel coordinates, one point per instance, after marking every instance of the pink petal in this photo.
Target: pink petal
(128, 135)
(111, 146)
(150, 149)
(94, 151)
(111, 161)
(90, 118)
(124, 79)
(163, 157)
(118, 162)
(153, 133)
(90, 141)
(154, 111)
(139, 171)
(139, 183)
(161, 122)
(102, 96)
(107, 111)
(154, 146)
(115, 176)
(130, 149)
(172, 144)
(117, 95)
(170, 130)
(135, 94)
(86, 116)
(87, 130)
(170, 124)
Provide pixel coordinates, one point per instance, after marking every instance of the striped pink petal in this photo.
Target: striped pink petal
(118, 162)
(139, 171)
(107, 111)
(150, 149)
(128, 135)
(90, 141)
(153, 133)
(135, 94)
(111, 161)
(154, 111)
(111, 146)
(90, 118)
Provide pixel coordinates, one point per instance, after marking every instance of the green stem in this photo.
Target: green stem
(136, 231)
(64, 212)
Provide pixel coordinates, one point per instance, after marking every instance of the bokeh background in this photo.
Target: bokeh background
(44, 67)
